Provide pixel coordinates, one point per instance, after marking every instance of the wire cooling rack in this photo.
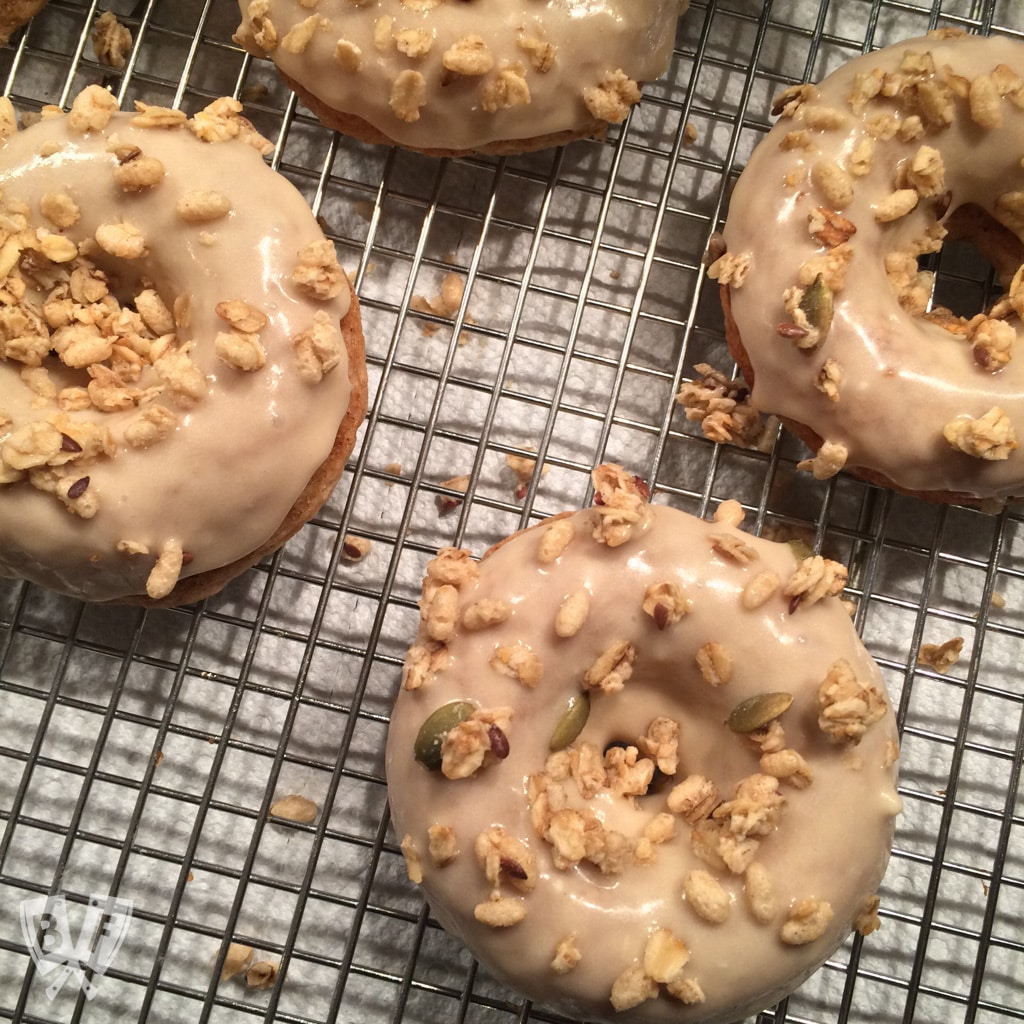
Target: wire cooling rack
(140, 751)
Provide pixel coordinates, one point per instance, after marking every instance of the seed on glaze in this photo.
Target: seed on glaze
(757, 711)
(571, 724)
(427, 749)
(78, 488)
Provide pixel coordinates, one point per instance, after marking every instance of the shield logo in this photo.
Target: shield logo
(58, 955)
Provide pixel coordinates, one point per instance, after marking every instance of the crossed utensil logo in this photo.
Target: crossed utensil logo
(58, 955)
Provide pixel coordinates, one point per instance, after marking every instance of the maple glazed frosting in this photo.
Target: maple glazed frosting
(641, 763)
(172, 367)
(464, 75)
(830, 314)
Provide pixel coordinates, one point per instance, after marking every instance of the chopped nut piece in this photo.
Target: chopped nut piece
(895, 205)
(632, 987)
(760, 589)
(941, 657)
(261, 975)
(612, 669)
(612, 97)
(408, 95)
(806, 922)
(990, 437)
(518, 661)
(567, 956)
(867, 920)
(665, 956)
(236, 960)
(413, 864)
(829, 460)
(165, 573)
(442, 845)
(485, 613)
(294, 808)
(729, 512)
(830, 228)
(734, 548)
(789, 766)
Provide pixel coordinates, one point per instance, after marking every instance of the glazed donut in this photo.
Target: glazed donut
(14, 14)
(449, 77)
(642, 762)
(827, 311)
(181, 357)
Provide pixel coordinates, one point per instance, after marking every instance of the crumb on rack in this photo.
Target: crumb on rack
(111, 40)
(445, 304)
(941, 657)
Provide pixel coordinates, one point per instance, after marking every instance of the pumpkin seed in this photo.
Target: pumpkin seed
(757, 711)
(817, 307)
(439, 723)
(570, 725)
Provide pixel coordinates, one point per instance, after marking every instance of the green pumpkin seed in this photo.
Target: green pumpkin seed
(757, 711)
(439, 723)
(570, 725)
(818, 307)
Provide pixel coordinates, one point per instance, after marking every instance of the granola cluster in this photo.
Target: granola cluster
(722, 407)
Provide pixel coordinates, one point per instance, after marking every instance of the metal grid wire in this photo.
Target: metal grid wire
(140, 751)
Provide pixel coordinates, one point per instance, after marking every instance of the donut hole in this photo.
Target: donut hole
(976, 264)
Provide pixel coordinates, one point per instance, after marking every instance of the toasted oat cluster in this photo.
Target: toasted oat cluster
(585, 719)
